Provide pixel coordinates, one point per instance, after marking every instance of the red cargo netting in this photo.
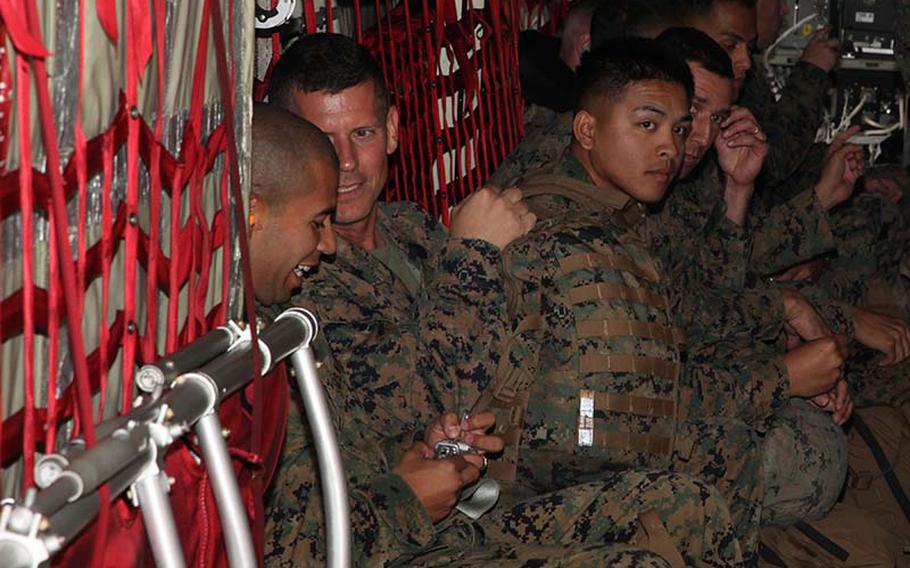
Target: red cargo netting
(452, 71)
(131, 232)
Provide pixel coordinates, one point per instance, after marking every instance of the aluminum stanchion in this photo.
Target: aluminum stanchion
(151, 497)
(237, 535)
(331, 470)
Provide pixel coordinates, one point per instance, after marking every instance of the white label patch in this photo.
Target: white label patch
(865, 17)
(586, 418)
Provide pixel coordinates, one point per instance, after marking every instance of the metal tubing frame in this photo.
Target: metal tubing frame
(191, 357)
(159, 521)
(237, 535)
(127, 449)
(331, 468)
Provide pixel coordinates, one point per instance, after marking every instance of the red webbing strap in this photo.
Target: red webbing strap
(107, 15)
(107, 254)
(395, 172)
(329, 26)
(518, 101)
(73, 315)
(261, 87)
(403, 90)
(53, 326)
(358, 21)
(23, 38)
(432, 49)
(484, 113)
(23, 87)
(309, 14)
(149, 343)
(420, 76)
(233, 162)
(138, 50)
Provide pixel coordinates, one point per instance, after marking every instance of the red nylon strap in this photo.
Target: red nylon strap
(25, 42)
(149, 345)
(23, 85)
(309, 14)
(227, 96)
(77, 347)
(107, 15)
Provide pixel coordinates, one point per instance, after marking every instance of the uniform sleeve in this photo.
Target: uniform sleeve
(463, 323)
(386, 517)
(719, 381)
(791, 233)
(408, 362)
(712, 316)
(790, 123)
(693, 239)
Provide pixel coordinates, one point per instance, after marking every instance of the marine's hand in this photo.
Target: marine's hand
(472, 431)
(883, 333)
(837, 401)
(841, 170)
(436, 483)
(822, 51)
(801, 316)
(815, 367)
(498, 217)
(741, 147)
(884, 187)
(806, 271)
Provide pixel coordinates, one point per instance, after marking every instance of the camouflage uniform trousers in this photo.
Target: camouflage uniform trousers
(534, 556)
(804, 463)
(610, 512)
(725, 453)
(872, 384)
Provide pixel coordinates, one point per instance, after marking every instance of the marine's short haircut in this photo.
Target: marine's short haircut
(609, 69)
(695, 46)
(688, 9)
(618, 18)
(284, 147)
(325, 62)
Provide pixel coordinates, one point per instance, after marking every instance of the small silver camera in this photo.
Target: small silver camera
(451, 447)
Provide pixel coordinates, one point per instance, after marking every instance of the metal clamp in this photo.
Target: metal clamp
(20, 545)
(246, 337)
(267, 19)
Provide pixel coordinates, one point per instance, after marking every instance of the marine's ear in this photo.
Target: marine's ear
(583, 127)
(391, 128)
(257, 212)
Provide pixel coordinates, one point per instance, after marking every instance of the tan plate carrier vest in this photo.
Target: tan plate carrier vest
(599, 360)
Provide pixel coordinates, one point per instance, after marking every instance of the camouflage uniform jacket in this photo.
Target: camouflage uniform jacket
(790, 123)
(387, 519)
(410, 354)
(750, 387)
(691, 224)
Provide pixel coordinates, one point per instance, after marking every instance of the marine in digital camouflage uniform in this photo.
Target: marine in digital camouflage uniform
(409, 323)
(626, 519)
(717, 450)
(790, 123)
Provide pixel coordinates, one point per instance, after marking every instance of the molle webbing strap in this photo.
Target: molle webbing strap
(823, 541)
(591, 292)
(584, 193)
(613, 261)
(597, 363)
(627, 328)
(770, 556)
(633, 442)
(658, 539)
(884, 464)
(630, 404)
(505, 467)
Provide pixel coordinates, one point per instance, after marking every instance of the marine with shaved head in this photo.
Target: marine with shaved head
(295, 173)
